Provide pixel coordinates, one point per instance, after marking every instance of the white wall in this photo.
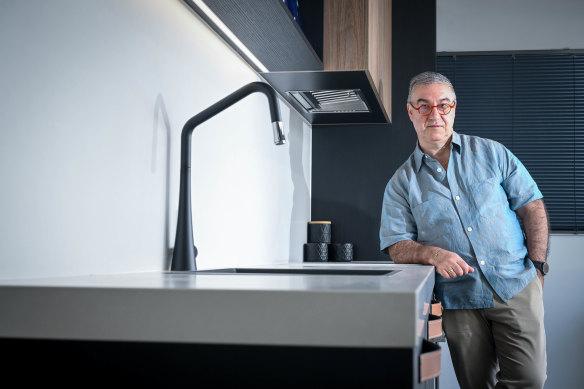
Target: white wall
(564, 312)
(474, 25)
(494, 25)
(93, 96)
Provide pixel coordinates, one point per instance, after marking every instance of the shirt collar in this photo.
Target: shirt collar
(419, 154)
(456, 140)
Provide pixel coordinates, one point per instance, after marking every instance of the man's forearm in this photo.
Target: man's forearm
(536, 227)
(447, 263)
(408, 251)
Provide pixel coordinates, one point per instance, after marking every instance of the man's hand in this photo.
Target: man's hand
(449, 264)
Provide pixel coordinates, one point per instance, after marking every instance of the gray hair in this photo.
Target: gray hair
(428, 78)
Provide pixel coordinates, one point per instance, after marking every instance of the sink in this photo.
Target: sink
(304, 271)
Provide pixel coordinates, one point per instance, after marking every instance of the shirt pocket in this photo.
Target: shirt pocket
(432, 216)
(488, 197)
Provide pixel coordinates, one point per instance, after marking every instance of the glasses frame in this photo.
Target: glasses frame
(434, 106)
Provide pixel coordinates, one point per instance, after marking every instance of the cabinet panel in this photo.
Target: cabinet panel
(357, 36)
(265, 27)
(345, 34)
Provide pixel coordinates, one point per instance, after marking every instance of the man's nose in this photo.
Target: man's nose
(434, 114)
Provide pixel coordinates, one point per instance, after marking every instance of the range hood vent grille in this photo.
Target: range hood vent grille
(331, 101)
(330, 97)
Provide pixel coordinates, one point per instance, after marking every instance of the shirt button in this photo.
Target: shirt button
(482, 262)
(457, 197)
(439, 170)
(469, 229)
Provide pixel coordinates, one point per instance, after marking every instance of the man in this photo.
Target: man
(456, 204)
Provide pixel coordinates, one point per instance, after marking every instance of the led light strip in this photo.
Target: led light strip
(225, 30)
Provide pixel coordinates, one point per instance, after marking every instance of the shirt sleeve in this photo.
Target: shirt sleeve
(521, 189)
(397, 221)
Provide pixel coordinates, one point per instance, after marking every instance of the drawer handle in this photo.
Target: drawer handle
(430, 360)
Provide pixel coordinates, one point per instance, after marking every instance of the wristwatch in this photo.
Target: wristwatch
(543, 267)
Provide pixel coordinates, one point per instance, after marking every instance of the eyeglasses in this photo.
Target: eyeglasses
(426, 109)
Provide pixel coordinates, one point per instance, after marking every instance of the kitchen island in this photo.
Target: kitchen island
(264, 328)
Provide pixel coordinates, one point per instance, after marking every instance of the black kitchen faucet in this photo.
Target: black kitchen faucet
(185, 252)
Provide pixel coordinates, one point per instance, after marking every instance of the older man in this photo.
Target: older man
(456, 204)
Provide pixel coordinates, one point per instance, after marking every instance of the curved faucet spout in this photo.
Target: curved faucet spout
(185, 252)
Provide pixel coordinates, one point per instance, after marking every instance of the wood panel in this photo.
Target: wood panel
(379, 49)
(345, 35)
(357, 36)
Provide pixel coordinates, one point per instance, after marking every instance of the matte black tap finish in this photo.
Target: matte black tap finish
(185, 252)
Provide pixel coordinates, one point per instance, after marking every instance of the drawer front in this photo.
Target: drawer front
(436, 308)
(434, 327)
(429, 361)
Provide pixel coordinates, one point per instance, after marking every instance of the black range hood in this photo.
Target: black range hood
(330, 97)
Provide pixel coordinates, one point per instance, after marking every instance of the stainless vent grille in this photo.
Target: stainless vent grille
(330, 101)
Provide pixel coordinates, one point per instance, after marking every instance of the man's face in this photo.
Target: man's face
(433, 129)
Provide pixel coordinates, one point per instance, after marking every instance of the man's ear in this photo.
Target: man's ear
(410, 113)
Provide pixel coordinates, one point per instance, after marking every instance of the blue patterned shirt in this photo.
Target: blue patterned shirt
(468, 209)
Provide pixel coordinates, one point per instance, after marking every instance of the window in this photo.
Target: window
(534, 105)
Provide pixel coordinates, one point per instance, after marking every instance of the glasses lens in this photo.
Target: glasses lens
(424, 109)
(444, 109)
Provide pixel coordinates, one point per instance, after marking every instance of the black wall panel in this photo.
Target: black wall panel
(351, 164)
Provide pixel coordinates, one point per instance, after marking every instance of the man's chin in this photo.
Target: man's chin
(436, 134)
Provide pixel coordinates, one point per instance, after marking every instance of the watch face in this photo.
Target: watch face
(545, 268)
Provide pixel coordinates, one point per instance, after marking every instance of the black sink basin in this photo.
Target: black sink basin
(317, 271)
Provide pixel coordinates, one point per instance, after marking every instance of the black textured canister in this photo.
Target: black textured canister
(319, 232)
(341, 252)
(315, 252)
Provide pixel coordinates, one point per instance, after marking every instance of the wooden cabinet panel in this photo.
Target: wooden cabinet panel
(345, 34)
(357, 36)
(379, 53)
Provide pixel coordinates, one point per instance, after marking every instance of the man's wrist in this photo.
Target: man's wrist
(434, 254)
(542, 266)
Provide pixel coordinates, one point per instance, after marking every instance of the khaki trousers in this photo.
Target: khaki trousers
(499, 347)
